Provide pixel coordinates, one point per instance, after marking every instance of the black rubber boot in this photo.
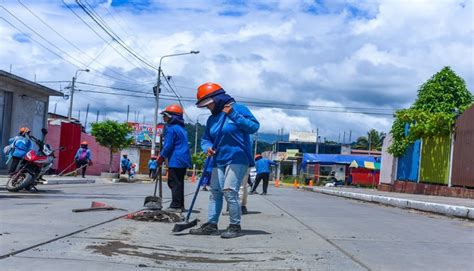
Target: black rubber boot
(232, 231)
(244, 210)
(205, 229)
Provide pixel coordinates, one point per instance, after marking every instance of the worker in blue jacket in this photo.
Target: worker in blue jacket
(152, 165)
(21, 144)
(231, 149)
(83, 158)
(176, 151)
(125, 164)
(262, 165)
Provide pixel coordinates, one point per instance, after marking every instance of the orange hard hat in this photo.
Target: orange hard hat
(205, 91)
(24, 130)
(173, 109)
(258, 155)
(84, 143)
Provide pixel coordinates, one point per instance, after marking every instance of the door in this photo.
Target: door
(145, 156)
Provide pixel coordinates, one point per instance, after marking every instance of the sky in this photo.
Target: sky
(352, 56)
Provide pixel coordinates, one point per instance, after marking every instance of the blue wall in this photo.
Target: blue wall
(408, 164)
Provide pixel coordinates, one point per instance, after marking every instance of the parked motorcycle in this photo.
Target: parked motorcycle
(33, 166)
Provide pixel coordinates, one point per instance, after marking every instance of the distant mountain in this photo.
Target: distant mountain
(271, 138)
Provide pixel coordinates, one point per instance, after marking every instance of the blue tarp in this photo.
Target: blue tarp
(331, 159)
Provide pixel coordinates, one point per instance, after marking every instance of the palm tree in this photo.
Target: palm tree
(373, 141)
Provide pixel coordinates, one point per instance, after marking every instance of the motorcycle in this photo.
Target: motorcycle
(33, 166)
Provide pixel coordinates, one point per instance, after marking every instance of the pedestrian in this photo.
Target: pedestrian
(176, 150)
(263, 173)
(83, 158)
(125, 164)
(152, 166)
(20, 145)
(231, 156)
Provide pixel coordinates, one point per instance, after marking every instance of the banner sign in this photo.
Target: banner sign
(143, 133)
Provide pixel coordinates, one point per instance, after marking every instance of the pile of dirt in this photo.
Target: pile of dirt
(156, 216)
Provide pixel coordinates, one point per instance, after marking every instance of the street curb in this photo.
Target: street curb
(437, 208)
(84, 181)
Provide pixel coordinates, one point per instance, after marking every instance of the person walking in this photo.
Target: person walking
(20, 145)
(152, 166)
(176, 150)
(263, 173)
(83, 158)
(231, 156)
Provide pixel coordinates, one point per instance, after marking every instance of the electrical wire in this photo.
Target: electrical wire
(102, 38)
(112, 34)
(93, 59)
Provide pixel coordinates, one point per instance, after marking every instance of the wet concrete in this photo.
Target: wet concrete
(159, 255)
(156, 216)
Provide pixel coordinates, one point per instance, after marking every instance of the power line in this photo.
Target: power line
(94, 59)
(112, 34)
(173, 98)
(100, 36)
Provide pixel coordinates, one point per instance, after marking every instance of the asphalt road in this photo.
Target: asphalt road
(287, 229)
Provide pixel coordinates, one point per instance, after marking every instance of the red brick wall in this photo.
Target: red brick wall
(427, 189)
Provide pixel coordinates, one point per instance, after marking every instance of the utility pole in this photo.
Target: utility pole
(344, 138)
(128, 111)
(157, 98)
(73, 85)
(87, 114)
(71, 98)
(55, 106)
(79, 115)
(97, 117)
(256, 143)
(350, 136)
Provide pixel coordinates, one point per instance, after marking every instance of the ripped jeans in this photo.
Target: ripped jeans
(225, 183)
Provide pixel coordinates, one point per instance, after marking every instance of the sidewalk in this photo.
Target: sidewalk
(449, 206)
(58, 180)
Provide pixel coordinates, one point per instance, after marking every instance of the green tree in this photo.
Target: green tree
(372, 141)
(198, 160)
(113, 135)
(439, 101)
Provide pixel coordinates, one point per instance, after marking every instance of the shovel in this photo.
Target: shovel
(205, 178)
(154, 202)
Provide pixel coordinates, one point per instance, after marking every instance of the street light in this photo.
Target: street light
(69, 114)
(157, 97)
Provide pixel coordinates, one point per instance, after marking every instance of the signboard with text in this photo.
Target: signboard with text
(143, 133)
(303, 136)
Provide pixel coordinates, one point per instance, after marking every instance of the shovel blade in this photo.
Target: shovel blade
(153, 203)
(178, 227)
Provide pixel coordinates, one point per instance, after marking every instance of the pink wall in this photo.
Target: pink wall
(100, 155)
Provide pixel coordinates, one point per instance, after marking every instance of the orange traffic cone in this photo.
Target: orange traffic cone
(295, 183)
(311, 183)
(193, 178)
(277, 183)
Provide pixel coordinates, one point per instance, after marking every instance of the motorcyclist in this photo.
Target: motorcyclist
(21, 144)
(83, 157)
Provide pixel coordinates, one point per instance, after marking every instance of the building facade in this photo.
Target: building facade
(23, 103)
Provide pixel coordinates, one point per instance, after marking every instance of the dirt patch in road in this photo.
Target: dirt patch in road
(116, 248)
(156, 216)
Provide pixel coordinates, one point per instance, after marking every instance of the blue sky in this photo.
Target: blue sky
(330, 54)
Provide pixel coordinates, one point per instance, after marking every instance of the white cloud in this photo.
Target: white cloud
(367, 54)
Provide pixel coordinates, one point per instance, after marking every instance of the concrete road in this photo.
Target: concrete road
(287, 229)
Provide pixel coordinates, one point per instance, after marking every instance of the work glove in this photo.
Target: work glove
(160, 160)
